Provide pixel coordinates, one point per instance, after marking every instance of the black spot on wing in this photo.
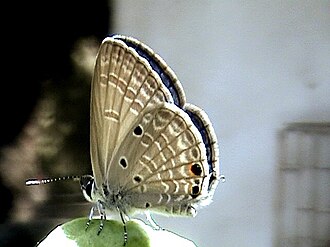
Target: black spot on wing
(138, 130)
(195, 191)
(123, 162)
(137, 179)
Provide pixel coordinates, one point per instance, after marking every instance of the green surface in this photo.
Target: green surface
(112, 233)
(74, 233)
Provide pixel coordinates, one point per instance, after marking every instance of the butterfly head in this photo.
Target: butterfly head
(87, 185)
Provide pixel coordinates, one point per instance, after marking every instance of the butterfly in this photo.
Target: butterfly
(151, 151)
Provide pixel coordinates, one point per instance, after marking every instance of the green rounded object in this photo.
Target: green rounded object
(74, 233)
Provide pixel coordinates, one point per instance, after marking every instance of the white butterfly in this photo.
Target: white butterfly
(150, 150)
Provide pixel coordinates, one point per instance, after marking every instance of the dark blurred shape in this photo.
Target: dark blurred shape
(37, 42)
(9, 235)
(6, 202)
(38, 39)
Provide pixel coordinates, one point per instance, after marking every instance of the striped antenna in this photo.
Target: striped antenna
(36, 181)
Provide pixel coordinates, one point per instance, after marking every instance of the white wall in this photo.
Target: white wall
(253, 66)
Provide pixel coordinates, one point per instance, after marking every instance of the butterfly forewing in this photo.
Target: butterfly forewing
(167, 75)
(123, 85)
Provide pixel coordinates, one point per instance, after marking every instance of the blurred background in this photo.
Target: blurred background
(260, 69)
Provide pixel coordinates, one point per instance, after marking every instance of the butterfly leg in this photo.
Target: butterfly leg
(101, 209)
(90, 216)
(125, 229)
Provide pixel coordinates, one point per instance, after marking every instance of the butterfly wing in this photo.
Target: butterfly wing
(205, 128)
(167, 75)
(197, 115)
(123, 85)
(155, 155)
(161, 163)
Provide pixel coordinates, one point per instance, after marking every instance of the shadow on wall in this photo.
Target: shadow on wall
(302, 203)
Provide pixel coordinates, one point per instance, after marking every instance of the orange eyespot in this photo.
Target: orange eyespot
(196, 169)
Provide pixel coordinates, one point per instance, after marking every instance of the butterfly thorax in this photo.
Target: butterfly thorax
(112, 199)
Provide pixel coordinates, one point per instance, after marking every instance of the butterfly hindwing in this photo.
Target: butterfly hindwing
(205, 128)
(161, 162)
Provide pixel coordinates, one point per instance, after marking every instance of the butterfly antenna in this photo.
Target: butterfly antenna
(36, 181)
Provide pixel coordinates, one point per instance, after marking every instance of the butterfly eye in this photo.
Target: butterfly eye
(86, 184)
(138, 130)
